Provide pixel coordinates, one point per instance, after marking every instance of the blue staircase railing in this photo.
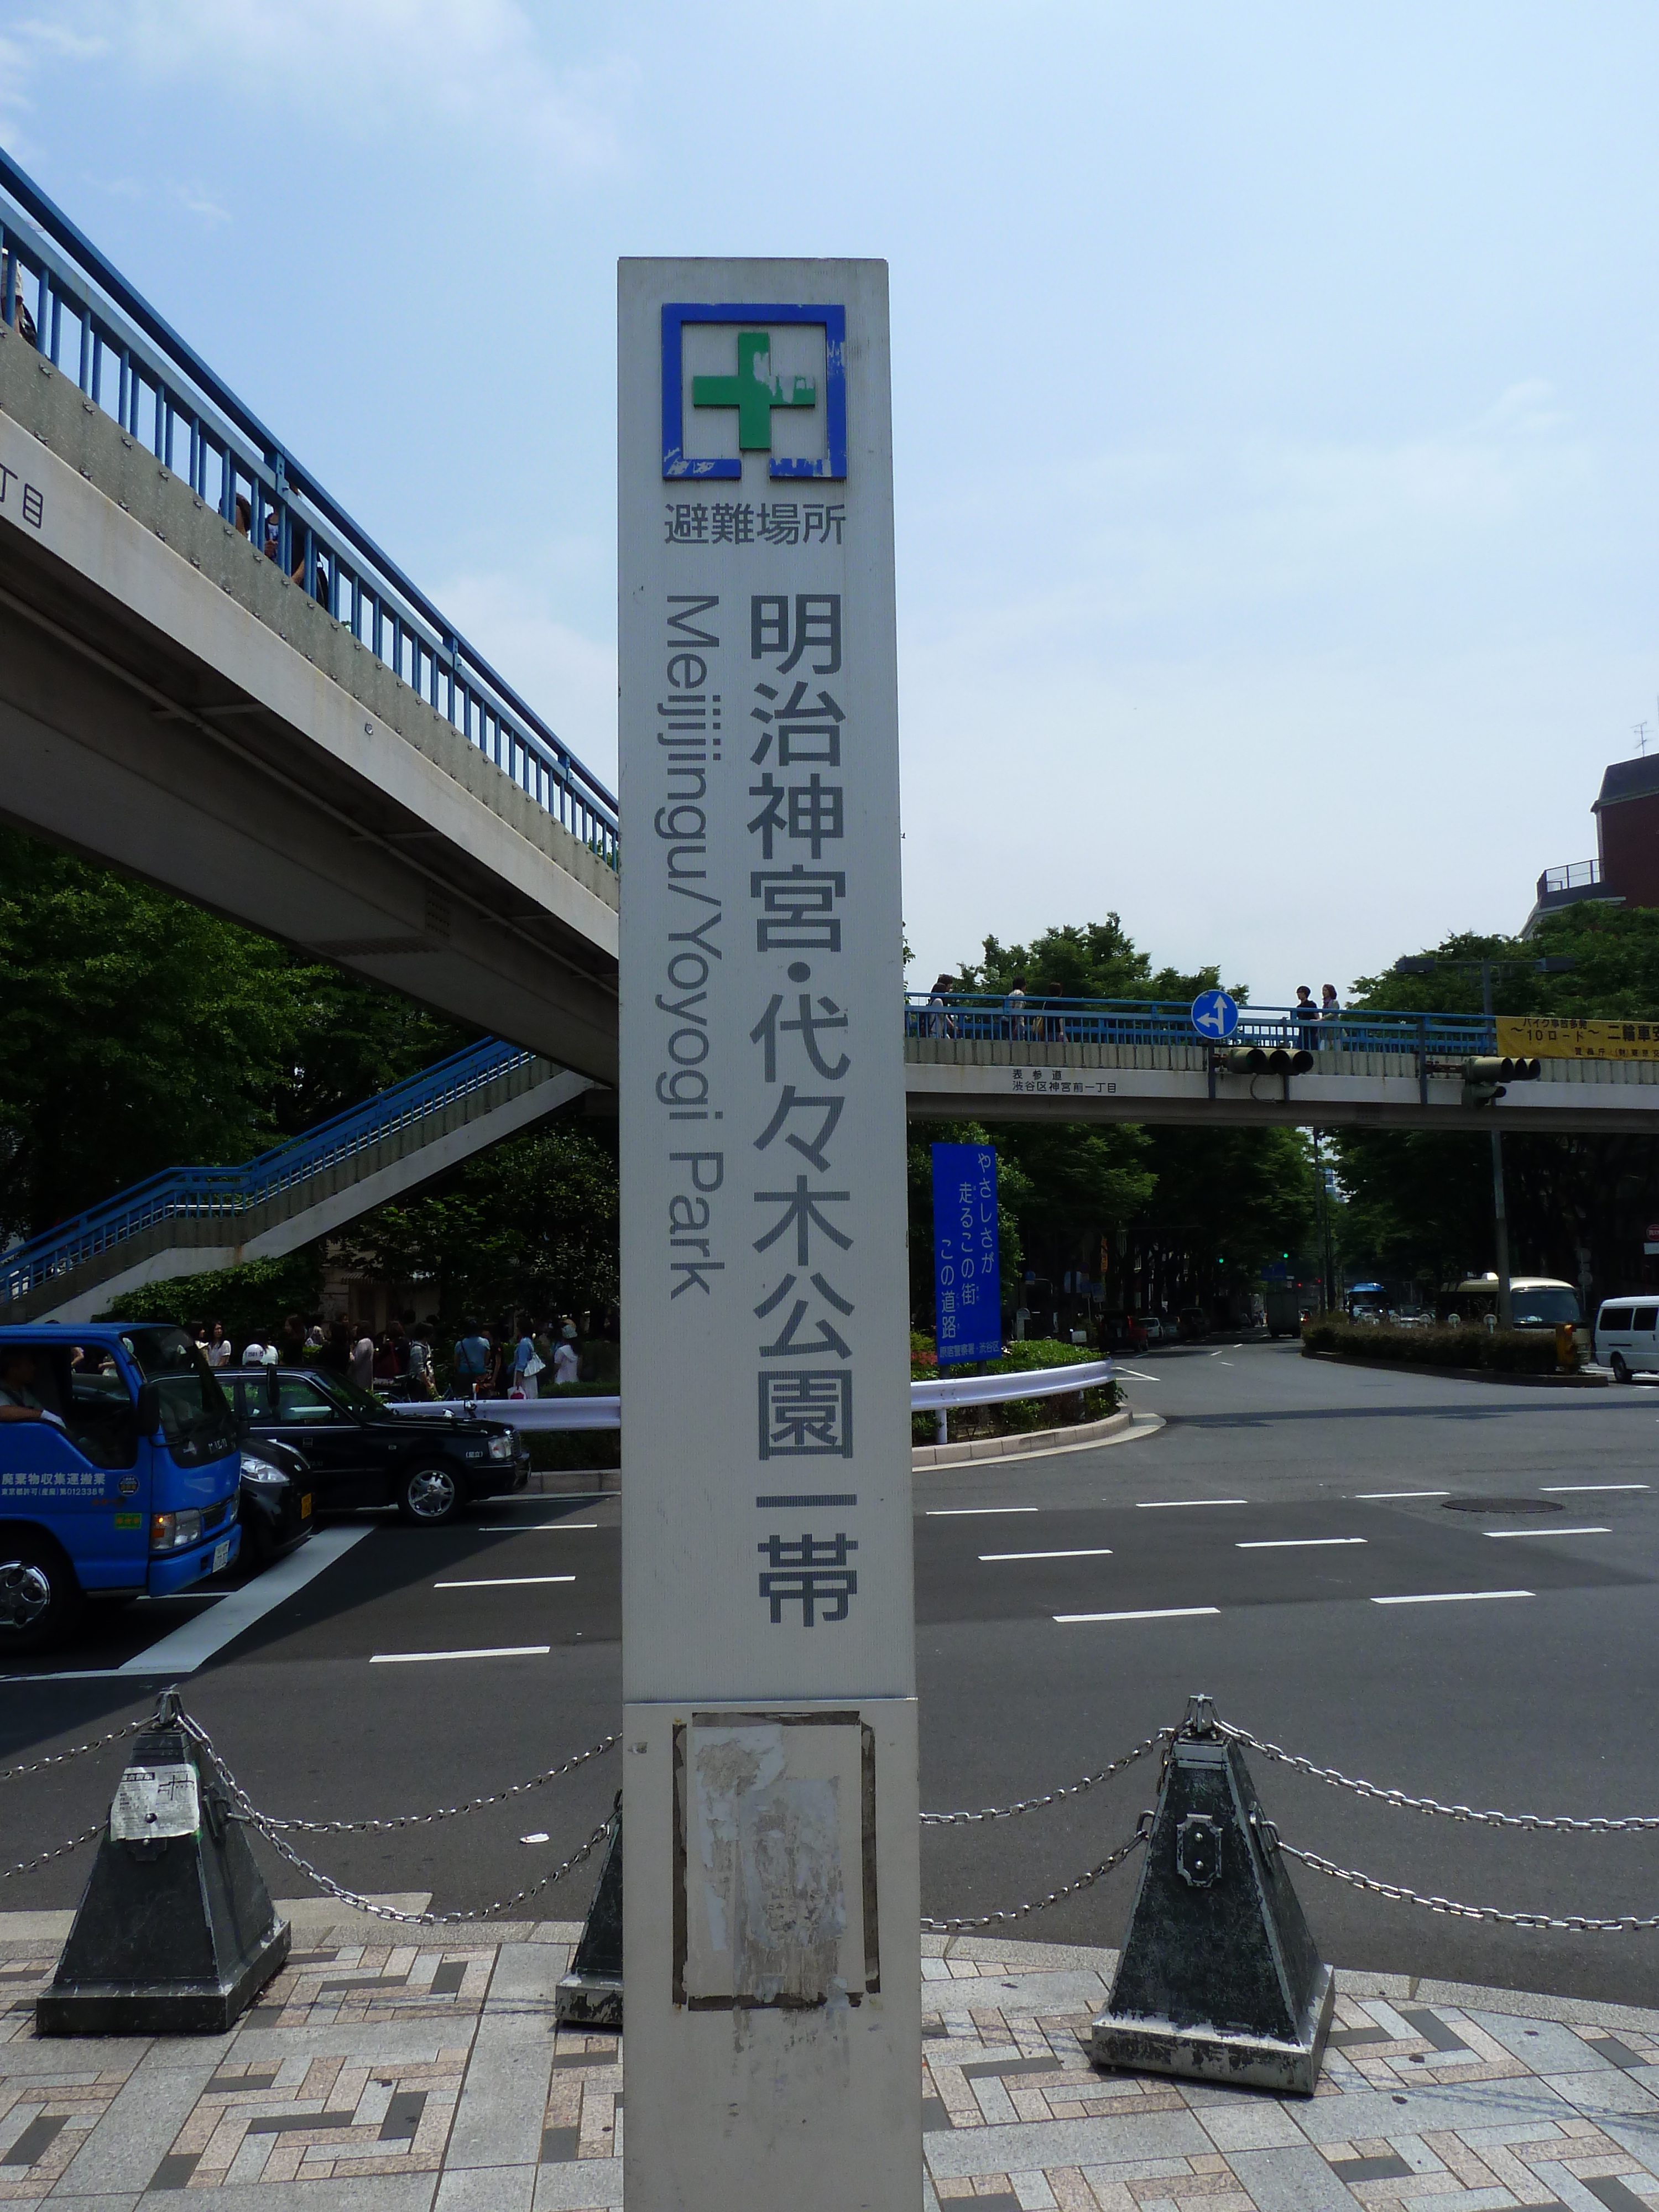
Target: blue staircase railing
(135, 367)
(991, 1018)
(201, 1192)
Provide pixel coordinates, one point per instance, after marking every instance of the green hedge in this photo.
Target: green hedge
(1508, 1351)
(1016, 1416)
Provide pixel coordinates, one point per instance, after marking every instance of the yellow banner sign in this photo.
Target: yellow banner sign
(1537, 1037)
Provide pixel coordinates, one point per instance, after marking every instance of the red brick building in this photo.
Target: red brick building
(1625, 870)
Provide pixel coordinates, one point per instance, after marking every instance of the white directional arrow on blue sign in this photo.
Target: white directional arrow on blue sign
(1214, 1014)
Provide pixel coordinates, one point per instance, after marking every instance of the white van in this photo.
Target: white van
(1627, 1338)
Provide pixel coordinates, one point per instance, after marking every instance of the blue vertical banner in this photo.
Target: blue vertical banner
(967, 1264)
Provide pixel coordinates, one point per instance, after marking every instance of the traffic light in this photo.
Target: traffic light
(1265, 1060)
(1486, 1077)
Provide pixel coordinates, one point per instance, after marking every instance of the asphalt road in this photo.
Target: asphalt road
(1067, 1607)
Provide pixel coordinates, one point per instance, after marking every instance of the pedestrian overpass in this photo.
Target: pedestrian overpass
(989, 1058)
(211, 675)
(187, 1221)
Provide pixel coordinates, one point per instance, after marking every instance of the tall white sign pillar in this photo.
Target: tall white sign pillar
(772, 1899)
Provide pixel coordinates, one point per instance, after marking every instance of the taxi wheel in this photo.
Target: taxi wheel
(430, 1495)
(39, 1596)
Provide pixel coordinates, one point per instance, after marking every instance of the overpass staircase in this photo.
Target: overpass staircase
(188, 1220)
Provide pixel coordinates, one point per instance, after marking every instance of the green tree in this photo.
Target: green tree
(144, 1034)
(1088, 960)
(530, 1226)
(1420, 1204)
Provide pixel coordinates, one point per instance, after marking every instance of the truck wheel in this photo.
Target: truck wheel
(1620, 1372)
(39, 1596)
(430, 1495)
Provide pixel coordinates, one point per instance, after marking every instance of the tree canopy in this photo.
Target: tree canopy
(144, 1034)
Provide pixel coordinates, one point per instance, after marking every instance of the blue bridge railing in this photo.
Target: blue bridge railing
(199, 1192)
(89, 322)
(994, 1017)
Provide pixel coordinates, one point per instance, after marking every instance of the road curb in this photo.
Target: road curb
(1125, 1426)
(1461, 1374)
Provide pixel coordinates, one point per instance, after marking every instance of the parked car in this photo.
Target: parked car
(359, 1452)
(1627, 1338)
(273, 1501)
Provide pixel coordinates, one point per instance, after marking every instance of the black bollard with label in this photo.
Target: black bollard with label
(176, 1933)
(591, 1994)
(1220, 1979)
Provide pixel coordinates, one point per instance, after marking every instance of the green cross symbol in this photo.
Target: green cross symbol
(754, 391)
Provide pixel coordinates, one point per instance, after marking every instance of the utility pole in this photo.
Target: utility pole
(1500, 1216)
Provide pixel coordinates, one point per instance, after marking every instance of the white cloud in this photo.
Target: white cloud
(455, 68)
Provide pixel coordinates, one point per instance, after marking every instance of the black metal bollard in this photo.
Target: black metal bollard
(175, 1933)
(591, 1994)
(1220, 1979)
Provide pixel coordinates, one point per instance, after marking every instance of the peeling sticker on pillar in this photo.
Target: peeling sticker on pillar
(775, 1867)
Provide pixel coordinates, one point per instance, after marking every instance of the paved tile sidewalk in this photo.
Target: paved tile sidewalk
(387, 2070)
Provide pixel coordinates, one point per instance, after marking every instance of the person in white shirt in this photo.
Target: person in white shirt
(218, 1347)
(566, 1359)
(362, 1363)
(1330, 1015)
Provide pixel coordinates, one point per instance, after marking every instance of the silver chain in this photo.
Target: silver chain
(1595, 1824)
(73, 1844)
(1042, 1904)
(244, 1809)
(1578, 1922)
(420, 1820)
(1031, 1804)
(61, 1758)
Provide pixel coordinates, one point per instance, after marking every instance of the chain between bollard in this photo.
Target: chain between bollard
(244, 1809)
(76, 1751)
(1574, 1923)
(1053, 1797)
(57, 1852)
(404, 1820)
(1055, 1897)
(1593, 1824)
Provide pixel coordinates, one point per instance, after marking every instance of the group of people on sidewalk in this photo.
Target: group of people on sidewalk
(508, 1361)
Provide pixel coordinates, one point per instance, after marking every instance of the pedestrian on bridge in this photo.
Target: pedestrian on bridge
(939, 1024)
(1330, 1019)
(1305, 1015)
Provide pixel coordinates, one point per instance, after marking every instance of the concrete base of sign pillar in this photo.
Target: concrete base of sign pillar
(773, 1955)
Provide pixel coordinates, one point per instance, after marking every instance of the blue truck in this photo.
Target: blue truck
(119, 1468)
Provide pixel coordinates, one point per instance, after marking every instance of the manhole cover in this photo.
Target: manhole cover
(1502, 1505)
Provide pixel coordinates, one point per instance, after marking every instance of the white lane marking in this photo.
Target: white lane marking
(1546, 1532)
(498, 1651)
(1135, 1375)
(1158, 1612)
(1099, 1552)
(532, 1528)
(1402, 1493)
(191, 1646)
(1450, 1597)
(1215, 1355)
(1158, 1505)
(1563, 1489)
(1226, 1363)
(505, 1582)
(541, 1835)
(1294, 1543)
(955, 1512)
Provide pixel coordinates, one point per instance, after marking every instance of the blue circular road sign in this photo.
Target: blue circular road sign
(1214, 1015)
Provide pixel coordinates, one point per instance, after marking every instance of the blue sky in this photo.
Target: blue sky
(1274, 392)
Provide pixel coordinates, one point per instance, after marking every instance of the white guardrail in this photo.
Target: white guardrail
(582, 1412)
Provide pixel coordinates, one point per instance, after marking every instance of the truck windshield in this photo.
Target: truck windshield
(196, 1418)
(1543, 1308)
